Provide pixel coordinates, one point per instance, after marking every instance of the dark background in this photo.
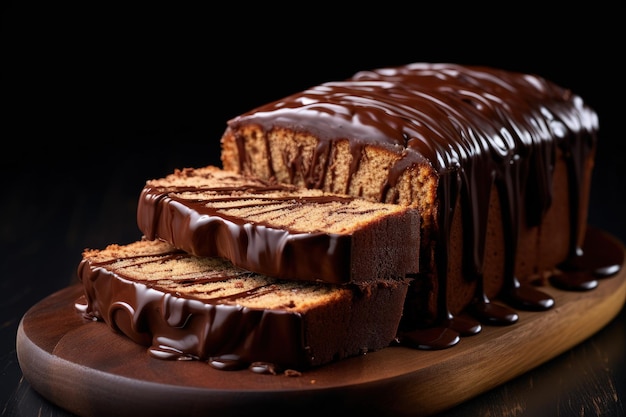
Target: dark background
(98, 99)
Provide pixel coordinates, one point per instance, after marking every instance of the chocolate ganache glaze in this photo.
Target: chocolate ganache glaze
(478, 128)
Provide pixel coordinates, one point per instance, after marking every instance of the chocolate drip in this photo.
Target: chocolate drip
(431, 338)
(601, 256)
(493, 314)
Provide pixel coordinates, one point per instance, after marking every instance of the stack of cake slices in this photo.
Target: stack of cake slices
(245, 273)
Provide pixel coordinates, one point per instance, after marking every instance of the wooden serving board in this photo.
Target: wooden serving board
(85, 368)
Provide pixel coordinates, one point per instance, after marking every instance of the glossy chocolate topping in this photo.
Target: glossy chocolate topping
(478, 128)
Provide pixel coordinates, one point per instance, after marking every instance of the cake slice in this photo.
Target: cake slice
(184, 306)
(280, 230)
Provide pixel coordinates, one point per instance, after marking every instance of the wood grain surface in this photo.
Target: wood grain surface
(85, 368)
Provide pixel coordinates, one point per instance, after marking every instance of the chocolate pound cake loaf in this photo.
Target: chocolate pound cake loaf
(497, 163)
(278, 229)
(184, 306)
